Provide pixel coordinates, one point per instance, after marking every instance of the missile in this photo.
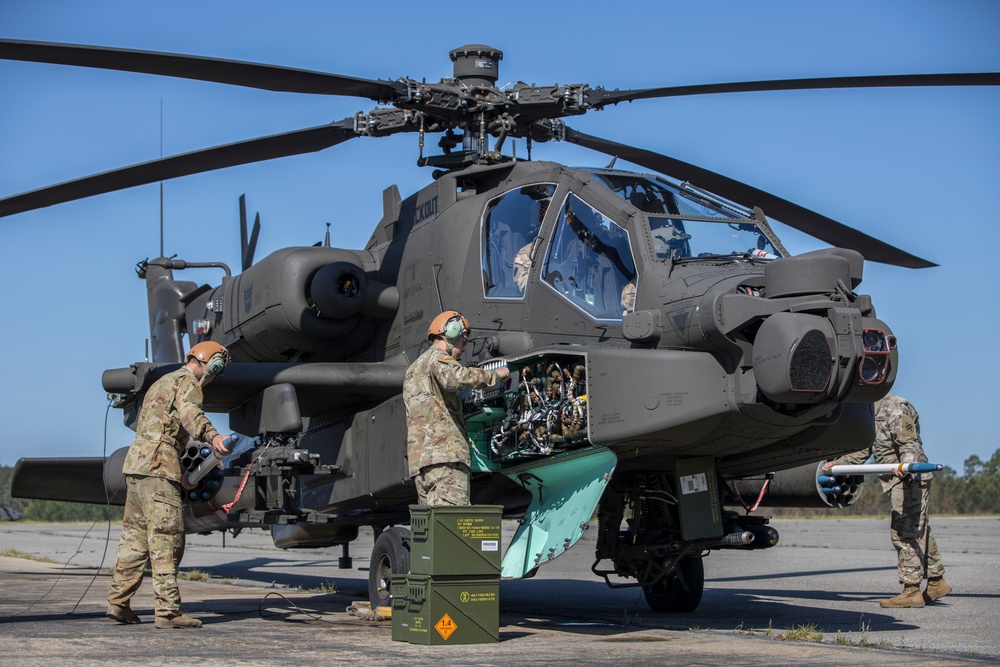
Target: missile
(210, 462)
(883, 468)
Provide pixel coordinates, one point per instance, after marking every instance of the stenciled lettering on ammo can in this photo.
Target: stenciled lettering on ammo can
(426, 210)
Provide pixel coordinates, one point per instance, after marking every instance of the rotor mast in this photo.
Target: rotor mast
(476, 66)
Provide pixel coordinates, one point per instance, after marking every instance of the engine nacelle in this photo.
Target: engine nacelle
(300, 300)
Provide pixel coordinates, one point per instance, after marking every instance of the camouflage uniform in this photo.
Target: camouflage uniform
(628, 298)
(522, 266)
(897, 440)
(153, 525)
(437, 444)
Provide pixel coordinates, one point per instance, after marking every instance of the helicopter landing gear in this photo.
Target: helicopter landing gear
(390, 555)
(681, 590)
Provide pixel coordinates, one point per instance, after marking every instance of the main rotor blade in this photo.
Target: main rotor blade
(218, 70)
(793, 215)
(599, 97)
(308, 140)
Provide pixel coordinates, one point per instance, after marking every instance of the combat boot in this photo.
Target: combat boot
(122, 614)
(937, 588)
(179, 622)
(910, 597)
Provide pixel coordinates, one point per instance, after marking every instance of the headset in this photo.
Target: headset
(214, 357)
(216, 365)
(451, 324)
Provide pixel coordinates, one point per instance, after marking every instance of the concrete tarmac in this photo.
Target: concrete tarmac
(264, 606)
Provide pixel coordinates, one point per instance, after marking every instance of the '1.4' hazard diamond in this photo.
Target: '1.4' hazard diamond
(445, 627)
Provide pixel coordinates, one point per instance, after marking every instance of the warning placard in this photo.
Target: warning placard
(697, 483)
(445, 627)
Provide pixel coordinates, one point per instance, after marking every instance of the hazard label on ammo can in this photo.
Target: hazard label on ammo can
(445, 627)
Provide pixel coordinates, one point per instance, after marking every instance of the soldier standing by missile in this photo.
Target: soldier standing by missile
(437, 445)
(153, 525)
(897, 440)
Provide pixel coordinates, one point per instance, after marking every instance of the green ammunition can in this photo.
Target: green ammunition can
(438, 611)
(455, 540)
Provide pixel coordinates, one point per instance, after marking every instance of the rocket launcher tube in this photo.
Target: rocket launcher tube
(244, 444)
(883, 468)
(211, 461)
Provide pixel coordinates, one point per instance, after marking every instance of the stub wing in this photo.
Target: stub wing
(95, 479)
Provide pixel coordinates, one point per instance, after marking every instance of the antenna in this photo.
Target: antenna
(248, 244)
(161, 182)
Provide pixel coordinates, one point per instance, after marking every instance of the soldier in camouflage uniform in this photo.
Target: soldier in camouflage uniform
(522, 265)
(153, 525)
(437, 444)
(897, 440)
(522, 260)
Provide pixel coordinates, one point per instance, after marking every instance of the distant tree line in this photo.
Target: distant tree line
(976, 491)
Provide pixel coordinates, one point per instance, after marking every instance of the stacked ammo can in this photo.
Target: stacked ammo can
(452, 592)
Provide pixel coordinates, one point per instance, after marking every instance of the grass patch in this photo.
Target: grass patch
(325, 587)
(14, 553)
(803, 633)
(752, 632)
(862, 639)
(194, 575)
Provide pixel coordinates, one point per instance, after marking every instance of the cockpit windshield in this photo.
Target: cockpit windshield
(679, 238)
(683, 226)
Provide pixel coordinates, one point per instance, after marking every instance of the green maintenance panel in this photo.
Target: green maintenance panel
(436, 611)
(698, 498)
(480, 428)
(455, 541)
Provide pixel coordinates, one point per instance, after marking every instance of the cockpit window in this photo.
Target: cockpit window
(510, 226)
(676, 235)
(679, 238)
(590, 262)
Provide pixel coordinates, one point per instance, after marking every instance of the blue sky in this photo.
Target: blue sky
(918, 168)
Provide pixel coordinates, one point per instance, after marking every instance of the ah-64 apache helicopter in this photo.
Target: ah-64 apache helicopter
(669, 356)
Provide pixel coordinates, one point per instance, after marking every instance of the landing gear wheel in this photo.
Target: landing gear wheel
(390, 555)
(680, 591)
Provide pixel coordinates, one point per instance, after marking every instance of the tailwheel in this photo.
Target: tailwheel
(680, 591)
(390, 555)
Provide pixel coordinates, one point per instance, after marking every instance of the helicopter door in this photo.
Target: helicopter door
(510, 225)
(590, 262)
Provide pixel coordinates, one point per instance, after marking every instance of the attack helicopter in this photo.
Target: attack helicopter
(669, 356)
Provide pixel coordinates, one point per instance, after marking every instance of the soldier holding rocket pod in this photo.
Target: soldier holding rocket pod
(153, 525)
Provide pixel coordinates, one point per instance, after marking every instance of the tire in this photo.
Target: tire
(390, 555)
(679, 592)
